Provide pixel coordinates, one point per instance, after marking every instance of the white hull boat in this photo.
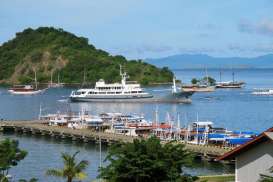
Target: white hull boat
(111, 92)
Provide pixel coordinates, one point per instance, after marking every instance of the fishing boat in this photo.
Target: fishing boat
(263, 91)
(112, 92)
(204, 86)
(26, 89)
(177, 92)
(197, 88)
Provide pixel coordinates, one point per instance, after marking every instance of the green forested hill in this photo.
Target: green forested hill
(49, 49)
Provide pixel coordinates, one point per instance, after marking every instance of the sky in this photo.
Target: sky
(140, 29)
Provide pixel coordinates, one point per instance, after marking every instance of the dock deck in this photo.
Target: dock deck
(86, 135)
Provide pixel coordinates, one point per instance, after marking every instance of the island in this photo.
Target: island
(55, 53)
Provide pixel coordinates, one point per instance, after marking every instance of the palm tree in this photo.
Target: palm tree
(71, 169)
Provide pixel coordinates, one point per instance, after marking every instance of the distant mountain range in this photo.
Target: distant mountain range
(193, 61)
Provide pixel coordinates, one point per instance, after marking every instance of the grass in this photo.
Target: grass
(217, 178)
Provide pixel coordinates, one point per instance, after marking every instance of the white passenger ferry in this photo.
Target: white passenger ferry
(111, 92)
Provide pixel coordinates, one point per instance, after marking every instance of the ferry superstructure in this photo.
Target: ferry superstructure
(111, 92)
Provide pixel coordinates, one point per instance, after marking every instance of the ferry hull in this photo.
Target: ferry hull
(132, 100)
(110, 98)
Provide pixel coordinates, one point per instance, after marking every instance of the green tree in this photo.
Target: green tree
(10, 155)
(146, 160)
(194, 81)
(71, 168)
(209, 80)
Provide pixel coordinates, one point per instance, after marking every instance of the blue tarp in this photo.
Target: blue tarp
(244, 132)
(216, 135)
(237, 141)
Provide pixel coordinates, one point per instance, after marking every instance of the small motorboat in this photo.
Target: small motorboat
(263, 91)
(24, 90)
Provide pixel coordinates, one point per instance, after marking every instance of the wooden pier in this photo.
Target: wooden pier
(86, 135)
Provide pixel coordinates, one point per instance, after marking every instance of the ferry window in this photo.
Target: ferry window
(118, 92)
(78, 93)
(91, 92)
(102, 92)
(139, 91)
(134, 92)
(127, 92)
(83, 92)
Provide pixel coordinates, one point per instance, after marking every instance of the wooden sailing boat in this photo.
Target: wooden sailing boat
(203, 87)
(55, 85)
(26, 89)
(229, 84)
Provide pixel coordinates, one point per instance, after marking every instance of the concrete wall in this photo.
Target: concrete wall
(251, 163)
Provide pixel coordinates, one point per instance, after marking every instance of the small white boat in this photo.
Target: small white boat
(263, 91)
(58, 121)
(24, 90)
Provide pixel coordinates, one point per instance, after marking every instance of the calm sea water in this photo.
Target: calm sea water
(234, 109)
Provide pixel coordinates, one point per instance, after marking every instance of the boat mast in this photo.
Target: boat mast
(178, 126)
(40, 111)
(51, 81)
(174, 86)
(233, 76)
(220, 75)
(156, 120)
(58, 78)
(35, 79)
(197, 128)
(123, 76)
(207, 77)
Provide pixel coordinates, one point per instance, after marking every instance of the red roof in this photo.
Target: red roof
(260, 138)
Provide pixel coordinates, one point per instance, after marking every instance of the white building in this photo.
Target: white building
(253, 159)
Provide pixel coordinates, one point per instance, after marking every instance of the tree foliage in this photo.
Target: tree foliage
(48, 48)
(146, 160)
(71, 168)
(207, 80)
(10, 155)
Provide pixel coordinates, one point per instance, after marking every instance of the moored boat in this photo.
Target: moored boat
(26, 89)
(111, 92)
(178, 92)
(263, 91)
(197, 88)
(229, 84)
